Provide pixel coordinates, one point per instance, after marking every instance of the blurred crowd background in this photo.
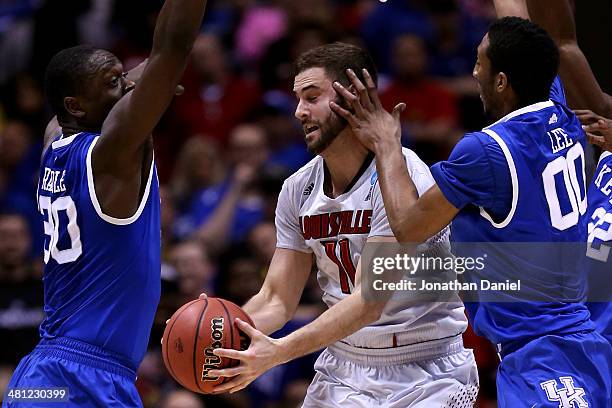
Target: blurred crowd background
(224, 147)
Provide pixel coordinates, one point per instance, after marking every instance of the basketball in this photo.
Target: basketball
(191, 335)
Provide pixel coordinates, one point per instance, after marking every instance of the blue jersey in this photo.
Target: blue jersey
(522, 180)
(599, 256)
(102, 274)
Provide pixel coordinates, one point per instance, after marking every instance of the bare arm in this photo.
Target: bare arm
(280, 294)
(508, 8)
(131, 121)
(582, 89)
(339, 321)
(412, 219)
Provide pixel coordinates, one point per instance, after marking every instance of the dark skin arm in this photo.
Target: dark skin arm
(412, 219)
(122, 156)
(583, 90)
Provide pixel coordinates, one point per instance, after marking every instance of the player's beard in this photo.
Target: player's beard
(329, 130)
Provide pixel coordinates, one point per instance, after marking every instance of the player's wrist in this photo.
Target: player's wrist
(386, 146)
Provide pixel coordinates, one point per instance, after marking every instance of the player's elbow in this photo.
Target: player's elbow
(569, 50)
(407, 233)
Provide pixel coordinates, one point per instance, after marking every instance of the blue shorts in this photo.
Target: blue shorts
(569, 370)
(92, 376)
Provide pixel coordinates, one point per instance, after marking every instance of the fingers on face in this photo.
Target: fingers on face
(348, 116)
(372, 91)
(360, 88)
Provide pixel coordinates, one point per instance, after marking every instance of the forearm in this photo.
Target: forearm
(336, 323)
(556, 17)
(399, 193)
(268, 314)
(508, 8)
(177, 26)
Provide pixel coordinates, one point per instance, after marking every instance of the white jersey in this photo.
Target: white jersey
(336, 231)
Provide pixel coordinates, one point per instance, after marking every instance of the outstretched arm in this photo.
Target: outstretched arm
(582, 89)
(131, 121)
(508, 8)
(339, 321)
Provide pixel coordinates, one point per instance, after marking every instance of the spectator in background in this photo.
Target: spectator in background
(19, 160)
(23, 100)
(261, 25)
(200, 164)
(262, 242)
(55, 28)
(390, 20)
(194, 270)
(430, 120)
(216, 99)
(21, 290)
(240, 276)
(182, 399)
(276, 68)
(225, 213)
(287, 150)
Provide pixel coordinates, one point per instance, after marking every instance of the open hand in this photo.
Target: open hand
(371, 123)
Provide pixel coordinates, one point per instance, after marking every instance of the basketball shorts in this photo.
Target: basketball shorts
(566, 371)
(403, 378)
(90, 376)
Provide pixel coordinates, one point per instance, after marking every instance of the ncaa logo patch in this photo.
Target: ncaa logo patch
(569, 396)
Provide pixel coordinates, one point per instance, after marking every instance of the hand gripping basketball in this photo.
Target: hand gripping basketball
(193, 333)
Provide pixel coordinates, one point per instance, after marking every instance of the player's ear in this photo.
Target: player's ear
(501, 82)
(73, 107)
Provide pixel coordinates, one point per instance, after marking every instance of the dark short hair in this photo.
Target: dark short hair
(66, 75)
(526, 54)
(335, 59)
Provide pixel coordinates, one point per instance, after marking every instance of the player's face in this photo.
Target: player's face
(107, 85)
(486, 81)
(321, 125)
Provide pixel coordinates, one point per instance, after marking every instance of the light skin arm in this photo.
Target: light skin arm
(412, 219)
(277, 300)
(339, 321)
(582, 89)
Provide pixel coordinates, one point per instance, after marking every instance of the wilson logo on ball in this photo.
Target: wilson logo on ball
(211, 361)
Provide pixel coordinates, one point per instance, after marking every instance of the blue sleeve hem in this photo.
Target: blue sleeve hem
(445, 186)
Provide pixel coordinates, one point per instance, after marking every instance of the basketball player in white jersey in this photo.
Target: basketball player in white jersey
(378, 354)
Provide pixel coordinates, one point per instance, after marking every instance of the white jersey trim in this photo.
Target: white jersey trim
(94, 198)
(604, 155)
(513, 176)
(61, 142)
(527, 109)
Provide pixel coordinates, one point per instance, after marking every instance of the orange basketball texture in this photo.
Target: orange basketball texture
(193, 332)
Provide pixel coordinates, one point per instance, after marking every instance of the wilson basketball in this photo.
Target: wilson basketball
(191, 335)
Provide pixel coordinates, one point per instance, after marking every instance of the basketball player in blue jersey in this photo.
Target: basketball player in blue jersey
(506, 184)
(584, 92)
(99, 200)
